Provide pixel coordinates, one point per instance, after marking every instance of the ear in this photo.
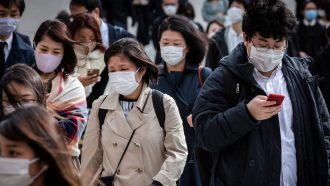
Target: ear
(97, 12)
(245, 39)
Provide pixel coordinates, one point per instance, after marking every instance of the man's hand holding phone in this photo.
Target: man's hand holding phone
(263, 107)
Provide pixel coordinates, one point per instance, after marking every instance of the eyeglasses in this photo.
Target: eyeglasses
(276, 48)
(21, 102)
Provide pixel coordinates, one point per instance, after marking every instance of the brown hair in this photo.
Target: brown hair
(35, 126)
(59, 32)
(25, 76)
(87, 21)
(134, 51)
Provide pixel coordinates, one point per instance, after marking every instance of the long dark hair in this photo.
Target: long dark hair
(193, 38)
(134, 51)
(59, 32)
(25, 76)
(87, 21)
(35, 126)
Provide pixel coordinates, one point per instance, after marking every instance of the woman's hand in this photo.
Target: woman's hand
(189, 120)
(88, 80)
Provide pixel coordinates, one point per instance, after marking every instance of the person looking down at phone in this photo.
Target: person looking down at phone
(255, 141)
(90, 51)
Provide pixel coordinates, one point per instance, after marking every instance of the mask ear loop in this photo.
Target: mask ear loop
(137, 72)
(41, 171)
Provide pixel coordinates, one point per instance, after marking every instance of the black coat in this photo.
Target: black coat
(183, 87)
(20, 52)
(217, 49)
(321, 67)
(249, 152)
(115, 33)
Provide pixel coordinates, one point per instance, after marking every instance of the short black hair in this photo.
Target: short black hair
(242, 2)
(270, 18)
(192, 36)
(19, 3)
(90, 5)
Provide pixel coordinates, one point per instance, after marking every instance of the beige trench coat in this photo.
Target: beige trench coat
(150, 156)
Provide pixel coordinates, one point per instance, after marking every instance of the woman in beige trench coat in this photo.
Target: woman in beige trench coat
(156, 155)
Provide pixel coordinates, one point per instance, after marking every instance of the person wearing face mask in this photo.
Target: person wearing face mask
(183, 48)
(90, 51)
(255, 138)
(55, 62)
(215, 10)
(225, 40)
(169, 8)
(14, 47)
(155, 155)
(33, 152)
(20, 86)
(309, 32)
(213, 27)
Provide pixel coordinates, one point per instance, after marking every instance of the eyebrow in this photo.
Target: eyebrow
(47, 47)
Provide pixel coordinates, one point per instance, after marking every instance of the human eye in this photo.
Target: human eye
(13, 153)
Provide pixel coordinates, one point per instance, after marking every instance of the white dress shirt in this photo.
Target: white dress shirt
(9, 43)
(233, 39)
(104, 29)
(276, 84)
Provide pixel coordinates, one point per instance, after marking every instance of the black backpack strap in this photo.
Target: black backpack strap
(157, 101)
(102, 113)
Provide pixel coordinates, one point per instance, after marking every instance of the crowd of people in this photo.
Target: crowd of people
(245, 102)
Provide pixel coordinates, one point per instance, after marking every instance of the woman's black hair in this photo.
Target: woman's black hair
(134, 51)
(270, 18)
(194, 39)
(25, 76)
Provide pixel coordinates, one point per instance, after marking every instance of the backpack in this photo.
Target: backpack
(157, 101)
(207, 161)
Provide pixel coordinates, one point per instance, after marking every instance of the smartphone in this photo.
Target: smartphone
(91, 72)
(276, 97)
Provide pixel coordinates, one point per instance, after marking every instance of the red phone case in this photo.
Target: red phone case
(276, 97)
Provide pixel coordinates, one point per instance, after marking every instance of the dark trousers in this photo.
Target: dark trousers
(190, 175)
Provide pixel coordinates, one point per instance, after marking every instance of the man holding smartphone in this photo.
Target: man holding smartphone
(252, 138)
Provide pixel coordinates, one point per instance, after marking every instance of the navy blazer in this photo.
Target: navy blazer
(20, 52)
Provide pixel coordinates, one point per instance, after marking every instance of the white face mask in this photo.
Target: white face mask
(47, 62)
(235, 15)
(172, 55)
(265, 61)
(15, 172)
(170, 10)
(124, 83)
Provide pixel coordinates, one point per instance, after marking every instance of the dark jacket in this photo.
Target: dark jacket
(321, 67)
(311, 39)
(20, 52)
(249, 152)
(115, 33)
(217, 49)
(184, 87)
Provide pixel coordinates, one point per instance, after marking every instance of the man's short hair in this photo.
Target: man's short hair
(270, 18)
(20, 4)
(90, 5)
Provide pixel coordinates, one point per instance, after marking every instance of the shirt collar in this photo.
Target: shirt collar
(103, 27)
(9, 41)
(309, 23)
(232, 32)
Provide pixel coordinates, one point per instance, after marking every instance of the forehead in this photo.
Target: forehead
(77, 9)
(18, 89)
(170, 1)
(12, 7)
(269, 40)
(85, 32)
(172, 35)
(310, 5)
(237, 5)
(120, 60)
(46, 41)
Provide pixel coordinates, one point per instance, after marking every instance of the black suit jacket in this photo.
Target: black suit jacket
(20, 52)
